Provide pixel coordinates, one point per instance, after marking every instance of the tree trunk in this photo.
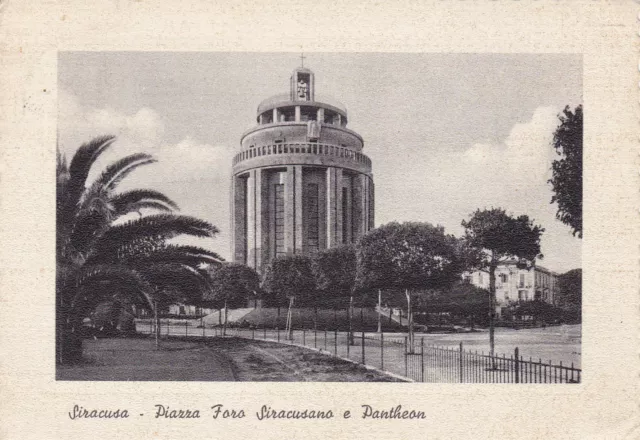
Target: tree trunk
(290, 319)
(278, 316)
(492, 305)
(409, 320)
(226, 315)
(351, 340)
(379, 311)
(68, 339)
(315, 317)
(157, 322)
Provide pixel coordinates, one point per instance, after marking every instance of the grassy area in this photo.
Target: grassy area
(363, 319)
(213, 359)
(138, 359)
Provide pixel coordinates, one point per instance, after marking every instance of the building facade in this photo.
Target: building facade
(514, 285)
(300, 183)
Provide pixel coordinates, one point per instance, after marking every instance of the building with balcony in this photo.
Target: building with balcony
(300, 181)
(514, 284)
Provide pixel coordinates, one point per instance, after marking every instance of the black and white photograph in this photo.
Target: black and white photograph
(319, 220)
(319, 217)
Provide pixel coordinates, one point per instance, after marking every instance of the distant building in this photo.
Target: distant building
(514, 285)
(301, 182)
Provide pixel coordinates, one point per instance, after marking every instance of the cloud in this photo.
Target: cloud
(194, 174)
(512, 174)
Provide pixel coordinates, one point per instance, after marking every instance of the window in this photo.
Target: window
(521, 284)
(278, 210)
(287, 114)
(267, 117)
(504, 277)
(308, 114)
(345, 216)
(313, 217)
(329, 117)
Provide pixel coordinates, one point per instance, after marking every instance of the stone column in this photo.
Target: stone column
(275, 115)
(239, 219)
(331, 207)
(252, 242)
(339, 215)
(289, 210)
(358, 207)
(297, 113)
(347, 217)
(371, 206)
(297, 199)
(334, 207)
(263, 255)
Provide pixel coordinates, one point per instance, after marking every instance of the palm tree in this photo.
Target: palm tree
(102, 256)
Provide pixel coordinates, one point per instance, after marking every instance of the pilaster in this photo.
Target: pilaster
(297, 198)
(289, 210)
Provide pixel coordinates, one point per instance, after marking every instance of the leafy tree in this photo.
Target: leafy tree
(408, 256)
(567, 171)
(291, 277)
(335, 274)
(570, 288)
(231, 285)
(499, 238)
(100, 256)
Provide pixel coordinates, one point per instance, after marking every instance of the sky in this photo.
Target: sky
(447, 133)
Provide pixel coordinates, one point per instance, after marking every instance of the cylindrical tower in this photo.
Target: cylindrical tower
(300, 181)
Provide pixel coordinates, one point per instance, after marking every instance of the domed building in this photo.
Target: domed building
(300, 182)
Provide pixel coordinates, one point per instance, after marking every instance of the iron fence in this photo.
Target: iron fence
(392, 353)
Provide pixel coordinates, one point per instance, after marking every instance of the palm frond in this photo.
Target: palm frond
(137, 207)
(126, 202)
(81, 164)
(156, 227)
(90, 279)
(190, 283)
(189, 255)
(118, 170)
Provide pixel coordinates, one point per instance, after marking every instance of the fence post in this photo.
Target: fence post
(278, 331)
(203, 335)
(422, 359)
(517, 365)
(382, 351)
(315, 338)
(186, 328)
(304, 337)
(363, 358)
(349, 335)
(405, 358)
(461, 377)
(325, 339)
(335, 342)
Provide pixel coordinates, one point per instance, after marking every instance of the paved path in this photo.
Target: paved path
(440, 359)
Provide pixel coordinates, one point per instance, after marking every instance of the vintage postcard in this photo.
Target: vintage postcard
(296, 221)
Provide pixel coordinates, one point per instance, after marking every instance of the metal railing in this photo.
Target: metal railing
(392, 353)
(309, 148)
